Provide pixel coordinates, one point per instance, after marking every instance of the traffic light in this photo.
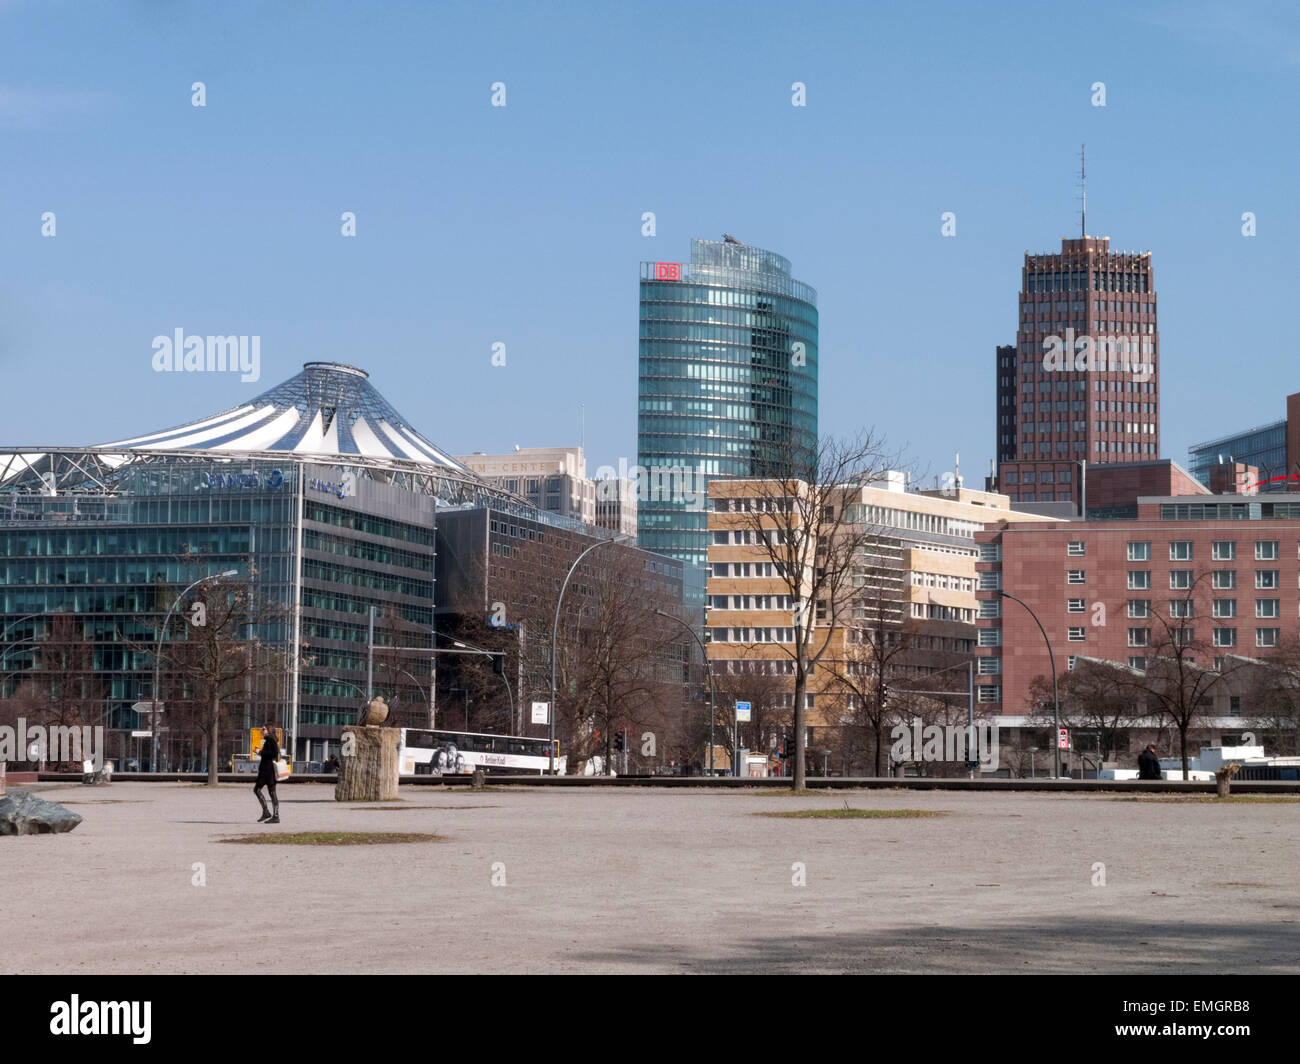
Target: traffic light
(499, 664)
(884, 695)
(618, 741)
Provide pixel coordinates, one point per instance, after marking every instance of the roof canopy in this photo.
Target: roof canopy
(329, 410)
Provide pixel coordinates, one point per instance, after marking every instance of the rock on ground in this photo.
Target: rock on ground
(22, 813)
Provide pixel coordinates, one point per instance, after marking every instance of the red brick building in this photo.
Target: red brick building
(1082, 382)
(1096, 585)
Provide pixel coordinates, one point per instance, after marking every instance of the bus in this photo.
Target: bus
(445, 753)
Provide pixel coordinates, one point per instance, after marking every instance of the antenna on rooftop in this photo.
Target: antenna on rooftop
(1083, 188)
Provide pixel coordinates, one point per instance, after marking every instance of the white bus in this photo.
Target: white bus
(445, 753)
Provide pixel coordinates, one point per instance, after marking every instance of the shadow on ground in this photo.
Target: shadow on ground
(1065, 946)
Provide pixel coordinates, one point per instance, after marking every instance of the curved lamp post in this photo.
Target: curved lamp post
(1056, 698)
(555, 627)
(157, 660)
(708, 671)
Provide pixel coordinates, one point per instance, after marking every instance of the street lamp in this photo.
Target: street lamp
(510, 696)
(555, 627)
(1056, 698)
(708, 671)
(157, 660)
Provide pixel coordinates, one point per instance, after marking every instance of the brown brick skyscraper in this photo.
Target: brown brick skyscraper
(1082, 382)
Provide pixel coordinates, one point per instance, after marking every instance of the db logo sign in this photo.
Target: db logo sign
(1063, 739)
(668, 271)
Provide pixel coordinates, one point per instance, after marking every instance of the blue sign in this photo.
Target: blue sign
(251, 479)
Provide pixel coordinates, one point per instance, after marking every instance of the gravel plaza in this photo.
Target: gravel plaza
(654, 881)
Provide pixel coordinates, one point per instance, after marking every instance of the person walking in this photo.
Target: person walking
(1149, 764)
(266, 776)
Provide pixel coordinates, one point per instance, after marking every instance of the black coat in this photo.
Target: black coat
(270, 755)
(1148, 766)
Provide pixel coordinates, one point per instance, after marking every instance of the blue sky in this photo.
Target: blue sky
(522, 224)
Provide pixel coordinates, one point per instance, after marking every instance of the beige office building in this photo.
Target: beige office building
(551, 478)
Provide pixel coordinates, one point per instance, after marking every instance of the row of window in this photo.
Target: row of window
(1182, 579)
(734, 570)
(751, 602)
(941, 581)
(1077, 281)
(751, 635)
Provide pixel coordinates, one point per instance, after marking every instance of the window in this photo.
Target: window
(1268, 608)
(1139, 637)
(989, 666)
(1180, 551)
(1224, 550)
(1182, 608)
(1074, 605)
(1181, 637)
(1180, 579)
(1139, 579)
(1225, 607)
(1075, 635)
(1074, 576)
(1139, 607)
(1138, 663)
(1266, 550)
(990, 581)
(1266, 578)
(990, 693)
(1075, 549)
(989, 607)
(989, 637)
(1224, 579)
(1225, 637)
(1139, 552)
(1266, 637)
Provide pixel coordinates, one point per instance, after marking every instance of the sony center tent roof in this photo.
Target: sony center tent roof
(328, 410)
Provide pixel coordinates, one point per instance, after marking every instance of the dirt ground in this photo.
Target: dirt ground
(626, 880)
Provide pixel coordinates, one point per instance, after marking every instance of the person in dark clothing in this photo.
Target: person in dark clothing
(1149, 764)
(266, 776)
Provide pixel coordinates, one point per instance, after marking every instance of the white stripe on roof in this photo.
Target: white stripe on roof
(405, 448)
(424, 445)
(216, 431)
(229, 414)
(311, 439)
(261, 439)
(367, 442)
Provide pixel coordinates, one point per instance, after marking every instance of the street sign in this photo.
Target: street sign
(541, 712)
(742, 712)
(146, 708)
(1063, 739)
(142, 735)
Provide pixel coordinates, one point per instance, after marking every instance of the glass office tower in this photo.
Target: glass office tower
(728, 382)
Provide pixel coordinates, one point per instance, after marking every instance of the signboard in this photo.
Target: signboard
(742, 712)
(255, 739)
(668, 271)
(541, 712)
(1063, 739)
(142, 735)
(146, 708)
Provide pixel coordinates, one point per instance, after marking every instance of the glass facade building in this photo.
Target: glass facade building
(727, 385)
(317, 493)
(1263, 447)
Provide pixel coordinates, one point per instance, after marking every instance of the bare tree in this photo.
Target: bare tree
(1174, 683)
(1095, 696)
(803, 519)
(220, 645)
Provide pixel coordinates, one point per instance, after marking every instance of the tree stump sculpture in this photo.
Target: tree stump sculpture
(368, 764)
